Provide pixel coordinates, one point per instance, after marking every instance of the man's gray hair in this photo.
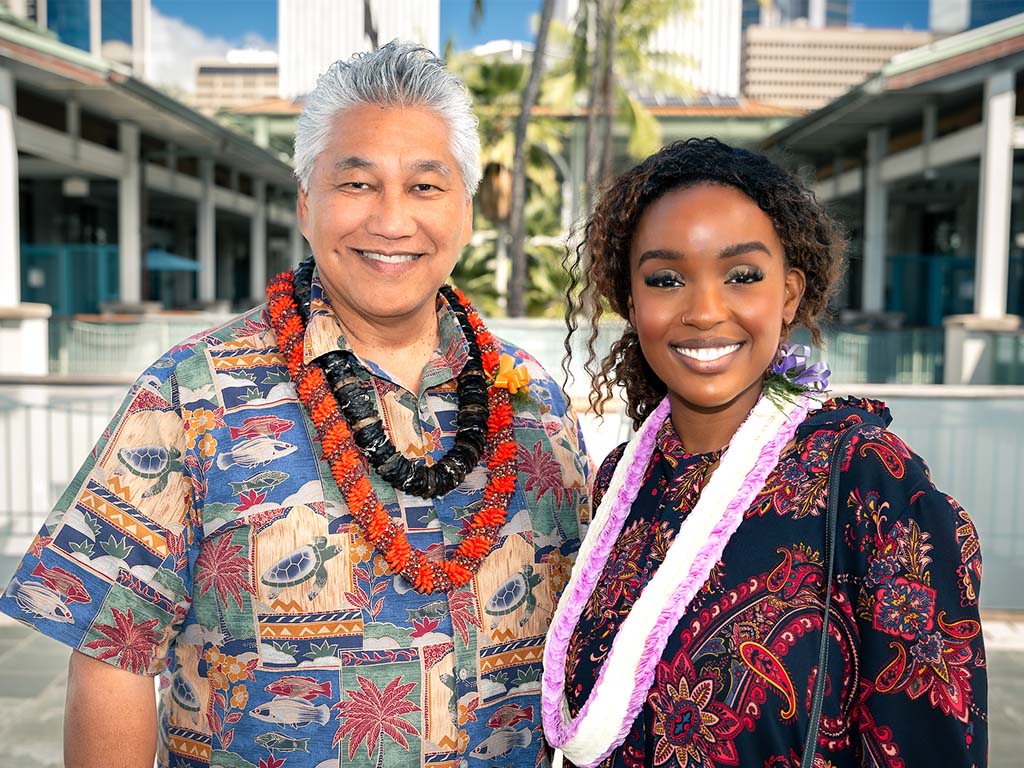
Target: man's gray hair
(398, 74)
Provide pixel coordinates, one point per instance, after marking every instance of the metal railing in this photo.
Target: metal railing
(971, 437)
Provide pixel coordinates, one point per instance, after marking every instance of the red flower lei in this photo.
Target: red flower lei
(349, 466)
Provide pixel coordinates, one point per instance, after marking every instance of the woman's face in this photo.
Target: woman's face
(710, 292)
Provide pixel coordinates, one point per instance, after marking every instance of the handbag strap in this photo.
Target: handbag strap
(810, 745)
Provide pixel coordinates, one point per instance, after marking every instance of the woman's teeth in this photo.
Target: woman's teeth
(395, 258)
(707, 354)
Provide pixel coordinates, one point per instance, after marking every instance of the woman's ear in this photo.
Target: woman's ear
(630, 311)
(796, 283)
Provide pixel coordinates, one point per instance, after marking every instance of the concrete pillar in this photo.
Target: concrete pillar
(140, 38)
(206, 233)
(129, 216)
(995, 187)
(10, 257)
(95, 27)
(258, 241)
(74, 126)
(261, 131)
(876, 210)
(929, 132)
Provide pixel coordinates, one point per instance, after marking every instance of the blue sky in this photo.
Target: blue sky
(234, 19)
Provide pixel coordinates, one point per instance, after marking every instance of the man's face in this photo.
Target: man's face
(386, 213)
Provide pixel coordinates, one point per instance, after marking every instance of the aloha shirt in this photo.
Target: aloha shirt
(205, 540)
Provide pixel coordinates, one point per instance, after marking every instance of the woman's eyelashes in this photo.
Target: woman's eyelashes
(738, 276)
(663, 279)
(743, 275)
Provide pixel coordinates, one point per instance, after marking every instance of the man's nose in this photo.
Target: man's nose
(391, 217)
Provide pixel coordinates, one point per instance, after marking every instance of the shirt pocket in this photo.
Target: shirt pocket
(303, 580)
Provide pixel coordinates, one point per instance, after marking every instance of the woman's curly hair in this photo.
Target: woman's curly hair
(599, 265)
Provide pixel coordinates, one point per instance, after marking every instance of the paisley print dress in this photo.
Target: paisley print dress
(906, 683)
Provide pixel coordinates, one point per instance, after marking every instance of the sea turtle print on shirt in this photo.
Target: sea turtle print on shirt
(206, 541)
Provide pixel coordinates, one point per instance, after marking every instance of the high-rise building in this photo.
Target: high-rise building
(951, 16)
(805, 68)
(813, 13)
(312, 34)
(117, 30)
(241, 78)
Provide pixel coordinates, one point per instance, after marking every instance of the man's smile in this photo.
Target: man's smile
(389, 258)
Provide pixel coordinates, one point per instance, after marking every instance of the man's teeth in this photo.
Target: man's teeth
(396, 258)
(706, 354)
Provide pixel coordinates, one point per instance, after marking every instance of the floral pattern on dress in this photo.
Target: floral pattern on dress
(735, 681)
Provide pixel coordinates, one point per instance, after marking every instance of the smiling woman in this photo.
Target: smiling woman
(771, 579)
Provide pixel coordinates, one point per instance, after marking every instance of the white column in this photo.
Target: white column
(929, 132)
(206, 232)
(994, 190)
(95, 27)
(140, 38)
(10, 257)
(258, 241)
(298, 244)
(129, 216)
(876, 211)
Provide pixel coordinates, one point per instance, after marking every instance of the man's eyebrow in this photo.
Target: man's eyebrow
(352, 161)
(739, 249)
(432, 166)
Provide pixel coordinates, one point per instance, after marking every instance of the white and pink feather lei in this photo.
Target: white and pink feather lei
(628, 671)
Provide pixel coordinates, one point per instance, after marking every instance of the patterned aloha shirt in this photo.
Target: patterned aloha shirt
(906, 683)
(206, 541)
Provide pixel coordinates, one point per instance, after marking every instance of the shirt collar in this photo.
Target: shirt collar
(324, 334)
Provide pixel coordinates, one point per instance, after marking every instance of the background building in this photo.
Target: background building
(815, 13)
(117, 30)
(243, 77)
(805, 68)
(312, 34)
(952, 16)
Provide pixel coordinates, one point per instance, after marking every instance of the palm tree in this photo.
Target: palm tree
(497, 88)
(370, 713)
(610, 61)
(517, 227)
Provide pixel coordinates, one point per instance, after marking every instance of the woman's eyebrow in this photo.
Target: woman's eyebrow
(739, 249)
(664, 254)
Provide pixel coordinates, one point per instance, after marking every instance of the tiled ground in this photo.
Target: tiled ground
(33, 672)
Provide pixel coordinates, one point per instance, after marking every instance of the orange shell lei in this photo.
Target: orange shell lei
(349, 466)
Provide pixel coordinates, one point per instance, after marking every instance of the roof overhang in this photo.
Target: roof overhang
(930, 74)
(65, 74)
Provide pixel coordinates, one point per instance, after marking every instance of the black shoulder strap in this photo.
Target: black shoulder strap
(810, 746)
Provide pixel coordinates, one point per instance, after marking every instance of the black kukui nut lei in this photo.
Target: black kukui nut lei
(356, 402)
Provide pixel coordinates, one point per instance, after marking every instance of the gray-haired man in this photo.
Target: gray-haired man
(328, 525)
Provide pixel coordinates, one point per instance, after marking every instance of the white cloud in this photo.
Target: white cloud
(175, 46)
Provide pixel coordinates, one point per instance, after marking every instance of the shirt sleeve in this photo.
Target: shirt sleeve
(107, 572)
(923, 688)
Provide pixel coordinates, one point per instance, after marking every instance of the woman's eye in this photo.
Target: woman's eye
(745, 276)
(663, 280)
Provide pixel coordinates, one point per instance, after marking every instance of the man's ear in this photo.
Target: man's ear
(302, 212)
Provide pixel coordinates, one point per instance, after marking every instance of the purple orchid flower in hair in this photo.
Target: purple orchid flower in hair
(791, 363)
